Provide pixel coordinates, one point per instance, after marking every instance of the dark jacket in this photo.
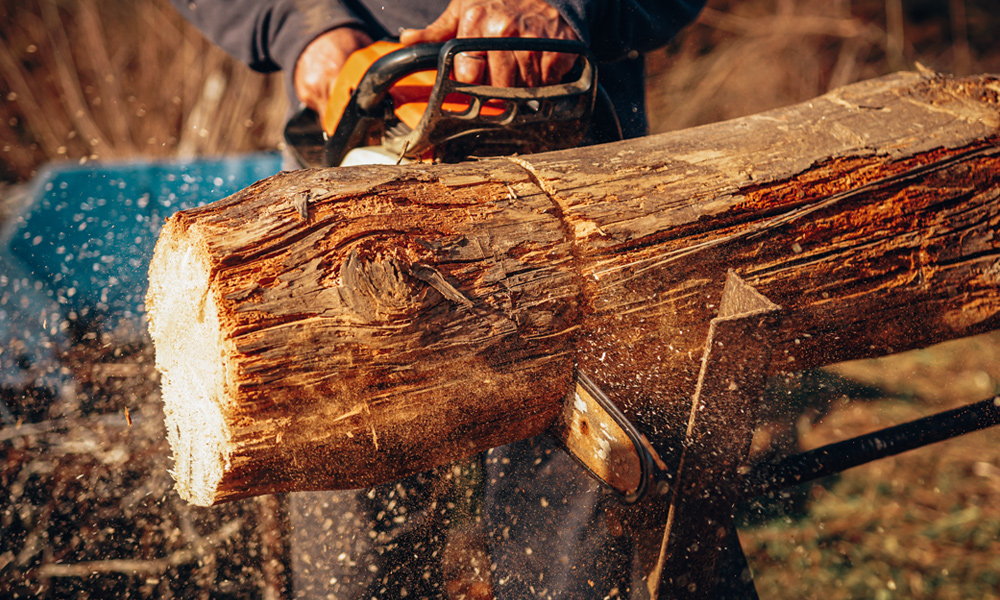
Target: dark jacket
(269, 35)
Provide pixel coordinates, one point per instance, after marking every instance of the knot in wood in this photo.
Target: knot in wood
(379, 288)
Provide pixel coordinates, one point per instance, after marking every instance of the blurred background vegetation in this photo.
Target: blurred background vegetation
(743, 57)
(86, 80)
(110, 80)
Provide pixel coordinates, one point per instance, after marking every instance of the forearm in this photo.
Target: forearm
(267, 35)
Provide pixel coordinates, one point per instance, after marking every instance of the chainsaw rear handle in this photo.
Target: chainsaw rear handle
(532, 118)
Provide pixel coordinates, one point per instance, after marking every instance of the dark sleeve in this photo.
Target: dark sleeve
(267, 35)
(615, 28)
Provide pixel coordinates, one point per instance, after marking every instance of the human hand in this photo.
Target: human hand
(501, 18)
(319, 64)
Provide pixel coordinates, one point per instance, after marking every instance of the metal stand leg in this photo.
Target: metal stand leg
(734, 580)
(699, 524)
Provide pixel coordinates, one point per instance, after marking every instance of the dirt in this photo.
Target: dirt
(89, 508)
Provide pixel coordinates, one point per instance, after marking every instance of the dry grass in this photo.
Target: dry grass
(746, 57)
(90, 79)
(924, 524)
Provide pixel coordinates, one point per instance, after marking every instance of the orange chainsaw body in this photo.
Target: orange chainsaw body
(410, 95)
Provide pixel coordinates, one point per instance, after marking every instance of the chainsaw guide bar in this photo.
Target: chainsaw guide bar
(599, 437)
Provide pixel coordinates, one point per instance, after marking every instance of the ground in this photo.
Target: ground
(923, 524)
(86, 80)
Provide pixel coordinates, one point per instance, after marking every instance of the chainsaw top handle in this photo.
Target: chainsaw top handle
(490, 120)
(389, 69)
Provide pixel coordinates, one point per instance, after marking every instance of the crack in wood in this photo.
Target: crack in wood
(753, 230)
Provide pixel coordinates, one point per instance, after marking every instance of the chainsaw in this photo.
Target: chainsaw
(394, 103)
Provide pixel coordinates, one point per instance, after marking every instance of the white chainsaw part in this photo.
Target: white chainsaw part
(372, 155)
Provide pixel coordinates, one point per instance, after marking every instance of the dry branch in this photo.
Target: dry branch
(138, 566)
(417, 314)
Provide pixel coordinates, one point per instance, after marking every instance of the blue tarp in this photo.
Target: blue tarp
(80, 247)
(88, 232)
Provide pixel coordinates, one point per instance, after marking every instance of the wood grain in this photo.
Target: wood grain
(411, 315)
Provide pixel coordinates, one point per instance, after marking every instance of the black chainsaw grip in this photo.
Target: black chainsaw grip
(392, 67)
(369, 102)
(510, 44)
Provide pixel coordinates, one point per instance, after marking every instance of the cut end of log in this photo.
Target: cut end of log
(184, 325)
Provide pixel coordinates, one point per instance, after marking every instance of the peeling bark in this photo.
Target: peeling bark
(350, 326)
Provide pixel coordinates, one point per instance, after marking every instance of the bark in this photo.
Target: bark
(337, 328)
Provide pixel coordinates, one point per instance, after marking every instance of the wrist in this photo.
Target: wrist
(320, 62)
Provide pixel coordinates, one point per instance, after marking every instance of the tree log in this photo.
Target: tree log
(337, 328)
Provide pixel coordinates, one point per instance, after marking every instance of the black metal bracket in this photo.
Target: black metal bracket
(854, 452)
